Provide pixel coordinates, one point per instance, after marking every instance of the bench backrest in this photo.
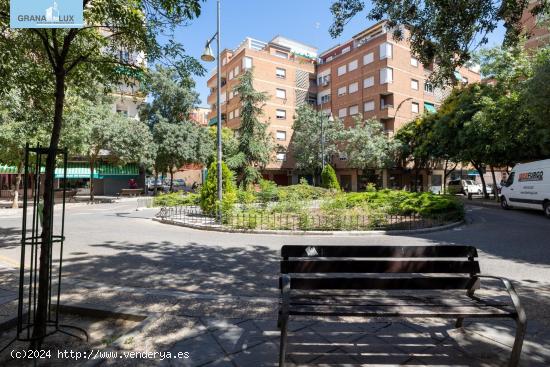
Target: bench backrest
(366, 267)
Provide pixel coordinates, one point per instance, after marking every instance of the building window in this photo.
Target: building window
(415, 107)
(369, 82)
(231, 115)
(247, 62)
(343, 112)
(414, 62)
(237, 113)
(282, 55)
(386, 50)
(124, 56)
(343, 156)
(354, 110)
(325, 98)
(346, 50)
(281, 114)
(281, 135)
(369, 106)
(352, 65)
(386, 75)
(354, 87)
(342, 70)
(464, 80)
(342, 91)
(329, 59)
(323, 80)
(122, 110)
(414, 84)
(428, 88)
(281, 73)
(281, 156)
(281, 93)
(236, 71)
(231, 75)
(368, 58)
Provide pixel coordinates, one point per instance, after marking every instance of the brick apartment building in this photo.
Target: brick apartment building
(537, 27)
(285, 70)
(371, 74)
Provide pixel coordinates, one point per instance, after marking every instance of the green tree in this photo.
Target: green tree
(230, 147)
(255, 143)
(73, 58)
(307, 135)
(429, 29)
(19, 125)
(209, 192)
(172, 95)
(367, 146)
(329, 179)
(179, 144)
(93, 130)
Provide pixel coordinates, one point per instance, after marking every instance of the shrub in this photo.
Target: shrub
(245, 196)
(209, 192)
(176, 199)
(329, 179)
(302, 191)
(268, 192)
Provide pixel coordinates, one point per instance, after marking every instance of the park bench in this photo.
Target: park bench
(130, 192)
(389, 281)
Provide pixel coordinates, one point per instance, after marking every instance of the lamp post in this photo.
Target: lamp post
(209, 57)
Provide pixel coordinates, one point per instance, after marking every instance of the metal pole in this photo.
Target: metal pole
(219, 132)
(322, 143)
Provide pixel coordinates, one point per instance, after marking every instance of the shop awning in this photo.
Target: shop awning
(458, 76)
(102, 170)
(7, 170)
(428, 107)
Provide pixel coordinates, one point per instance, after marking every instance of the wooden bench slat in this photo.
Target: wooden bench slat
(378, 266)
(394, 301)
(378, 251)
(383, 283)
(399, 311)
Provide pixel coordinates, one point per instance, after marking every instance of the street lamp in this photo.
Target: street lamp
(331, 120)
(209, 57)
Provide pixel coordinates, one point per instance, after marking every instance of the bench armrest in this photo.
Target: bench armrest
(285, 293)
(512, 293)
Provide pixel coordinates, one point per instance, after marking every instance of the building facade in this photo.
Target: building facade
(285, 70)
(536, 27)
(372, 75)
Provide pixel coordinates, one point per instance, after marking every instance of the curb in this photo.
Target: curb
(312, 233)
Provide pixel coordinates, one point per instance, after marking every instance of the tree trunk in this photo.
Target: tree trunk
(92, 168)
(155, 191)
(15, 203)
(446, 173)
(171, 180)
(495, 193)
(39, 331)
(479, 169)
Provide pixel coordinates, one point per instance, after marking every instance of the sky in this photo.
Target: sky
(306, 21)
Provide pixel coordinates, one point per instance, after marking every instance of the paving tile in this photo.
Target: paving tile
(446, 354)
(223, 362)
(371, 350)
(346, 331)
(263, 355)
(202, 349)
(307, 345)
(235, 338)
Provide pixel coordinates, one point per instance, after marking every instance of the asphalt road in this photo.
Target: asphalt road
(115, 244)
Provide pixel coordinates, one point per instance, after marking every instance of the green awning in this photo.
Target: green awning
(106, 169)
(7, 170)
(458, 76)
(75, 170)
(430, 108)
(213, 121)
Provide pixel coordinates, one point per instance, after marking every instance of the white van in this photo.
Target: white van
(528, 186)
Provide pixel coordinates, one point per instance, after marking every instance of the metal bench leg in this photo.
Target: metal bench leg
(521, 327)
(282, 351)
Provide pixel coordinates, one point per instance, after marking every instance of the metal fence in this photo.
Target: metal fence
(305, 221)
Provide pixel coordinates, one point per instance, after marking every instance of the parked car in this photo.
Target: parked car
(178, 184)
(528, 186)
(464, 187)
(160, 184)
